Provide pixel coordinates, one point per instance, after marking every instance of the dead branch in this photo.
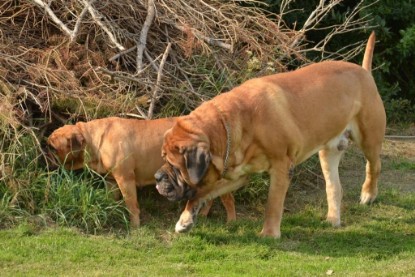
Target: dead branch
(141, 112)
(71, 33)
(97, 18)
(133, 115)
(154, 96)
(213, 41)
(323, 8)
(125, 52)
(52, 15)
(209, 40)
(151, 60)
(349, 25)
(79, 20)
(121, 75)
(141, 44)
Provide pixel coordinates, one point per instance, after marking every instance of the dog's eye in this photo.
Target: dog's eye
(175, 169)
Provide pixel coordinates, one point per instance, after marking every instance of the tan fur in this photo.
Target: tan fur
(128, 150)
(277, 122)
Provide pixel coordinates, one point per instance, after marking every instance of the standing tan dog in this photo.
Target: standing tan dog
(272, 124)
(126, 150)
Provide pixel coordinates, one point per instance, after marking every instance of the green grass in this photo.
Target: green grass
(81, 200)
(376, 240)
(67, 224)
(403, 165)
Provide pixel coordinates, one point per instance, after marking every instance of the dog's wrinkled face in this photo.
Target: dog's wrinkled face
(65, 146)
(171, 184)
(186, 163)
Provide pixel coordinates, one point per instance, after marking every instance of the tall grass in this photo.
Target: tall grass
(74, 199)
(81, 199)
(27, 189)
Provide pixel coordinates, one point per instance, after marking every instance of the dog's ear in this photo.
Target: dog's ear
(76, 141)
(197, 162)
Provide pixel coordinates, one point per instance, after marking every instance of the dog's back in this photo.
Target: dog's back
(126, 144)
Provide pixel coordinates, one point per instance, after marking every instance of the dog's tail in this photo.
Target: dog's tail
(370, 46)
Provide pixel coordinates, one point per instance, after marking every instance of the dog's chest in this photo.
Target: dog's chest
(251, 162)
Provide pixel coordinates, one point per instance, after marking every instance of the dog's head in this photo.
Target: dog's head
(187, 160)
(65, 146)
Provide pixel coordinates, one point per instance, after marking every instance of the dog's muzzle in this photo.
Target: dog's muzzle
(171, 186)
(52, 160)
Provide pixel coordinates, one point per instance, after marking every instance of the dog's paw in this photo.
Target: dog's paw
(334, 221)
(185, 222)
(183, 227)
(367, 198)
(270, 234)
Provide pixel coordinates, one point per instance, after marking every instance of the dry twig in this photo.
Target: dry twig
(71, 33)
(157, 85)
(141, 44)
(351, 23)
(97, 18)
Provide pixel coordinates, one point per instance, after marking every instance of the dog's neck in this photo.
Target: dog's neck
(228, 138)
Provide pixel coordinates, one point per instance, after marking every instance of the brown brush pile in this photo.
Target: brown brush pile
(68, 60)
(79, 59)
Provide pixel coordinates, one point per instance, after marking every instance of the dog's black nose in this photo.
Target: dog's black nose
(159, 176)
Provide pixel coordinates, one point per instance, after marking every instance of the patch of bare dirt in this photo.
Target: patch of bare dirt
(395, 149)
(398, 165)
(397, 173)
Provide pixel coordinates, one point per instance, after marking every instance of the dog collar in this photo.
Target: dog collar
(228, 139)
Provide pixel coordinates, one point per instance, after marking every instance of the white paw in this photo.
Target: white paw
(183, 227)
(334, 221)
(367, 198)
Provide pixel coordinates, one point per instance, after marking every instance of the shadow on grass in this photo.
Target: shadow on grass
(370, 232)
(369, 241)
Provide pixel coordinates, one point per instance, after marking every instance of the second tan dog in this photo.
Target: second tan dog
(272, 124)
(126, 150)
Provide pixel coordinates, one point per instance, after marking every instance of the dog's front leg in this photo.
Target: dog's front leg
(279, 182)
(188, 217)
(112, 187)
(126, 183)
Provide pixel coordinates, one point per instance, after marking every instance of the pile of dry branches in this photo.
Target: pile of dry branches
(66, 60)
(87, 58)
(83, 57)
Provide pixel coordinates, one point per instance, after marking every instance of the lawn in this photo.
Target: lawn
(375, 240)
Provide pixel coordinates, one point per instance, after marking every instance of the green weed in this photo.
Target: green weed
(373, 241)
(80, 200)
(403, 165)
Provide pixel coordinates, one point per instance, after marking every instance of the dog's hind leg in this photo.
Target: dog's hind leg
(206, 208)
(369, 137)
(329, 159)
(126, 183)
(228, 201)
(373, 165)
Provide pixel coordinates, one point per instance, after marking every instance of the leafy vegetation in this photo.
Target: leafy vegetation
(67, 223)
(394, 58)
